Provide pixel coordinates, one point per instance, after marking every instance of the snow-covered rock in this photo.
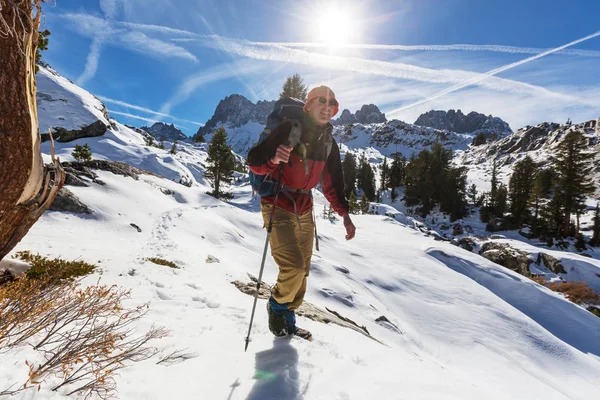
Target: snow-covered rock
(68, 110)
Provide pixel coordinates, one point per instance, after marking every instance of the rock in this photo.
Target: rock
(456, 121)
(495, 225)
(236, 110)
(457, 229)
(368, 114)
(345, 118)
(162, 131)
(72, 179)
(551, 263)
(62, 135)
(466, 243)
(503, 254)
(68, 202)
(212, 259)
(468, 228)
(136, 227)
(118, 168)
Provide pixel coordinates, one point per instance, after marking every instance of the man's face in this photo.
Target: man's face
(321, 109)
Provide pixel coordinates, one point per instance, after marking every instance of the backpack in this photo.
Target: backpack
(285, 109)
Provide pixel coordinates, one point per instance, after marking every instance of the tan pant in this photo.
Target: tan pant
(291, 250)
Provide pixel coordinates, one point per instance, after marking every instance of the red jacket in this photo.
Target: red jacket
(322, 168)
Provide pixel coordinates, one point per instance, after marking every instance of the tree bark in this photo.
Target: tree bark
(27, 187)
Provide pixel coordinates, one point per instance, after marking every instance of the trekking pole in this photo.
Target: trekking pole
(264, 256)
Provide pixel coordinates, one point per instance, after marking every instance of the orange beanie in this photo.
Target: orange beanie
(321, 91)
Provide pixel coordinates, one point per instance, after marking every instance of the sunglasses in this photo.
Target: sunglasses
(332, 102)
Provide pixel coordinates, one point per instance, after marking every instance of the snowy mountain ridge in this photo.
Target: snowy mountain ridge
(458, 122)
(539, 142)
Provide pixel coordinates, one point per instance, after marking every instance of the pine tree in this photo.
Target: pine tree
(353, 204)
(520, 188)
(366, 178)
(452, 199)
(501, 201)
(294, 87)
(494, 185)
(41, 46)
(82, 153)
(349, 172)
(220, 164)
(161, 145)
(173, 148)
(472, 194)
(479, 139)
(595, 241)
(396, 171)
(573, 168)
(384, 174)
(364, 204)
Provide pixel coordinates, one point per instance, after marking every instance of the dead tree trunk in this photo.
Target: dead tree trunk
(27, 187)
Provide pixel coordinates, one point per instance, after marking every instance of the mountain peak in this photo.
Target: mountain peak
(458, 122)
(162, 131)
(235, 111)
(368, 114)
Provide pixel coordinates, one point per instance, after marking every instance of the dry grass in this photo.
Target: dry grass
(577, 292)
(162, 261)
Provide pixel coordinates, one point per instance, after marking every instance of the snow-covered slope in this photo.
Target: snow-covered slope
(461, 327)
(397, 137)
(63, 104)
(539, 142)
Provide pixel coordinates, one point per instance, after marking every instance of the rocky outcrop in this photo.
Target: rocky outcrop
(456, 121)
(68, 202)
(368, 114)
(162, 131)
(236, 110)
(551, 263)
(63, 135)
(503, 254)
(84, 169)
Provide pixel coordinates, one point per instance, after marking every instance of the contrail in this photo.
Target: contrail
(493, 72)
(434, 47)
(143, 109)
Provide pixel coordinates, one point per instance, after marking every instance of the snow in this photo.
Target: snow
(463, 327)
(467, 328)
(62, 103)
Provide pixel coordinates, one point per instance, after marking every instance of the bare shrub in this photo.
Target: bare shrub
(84, 335)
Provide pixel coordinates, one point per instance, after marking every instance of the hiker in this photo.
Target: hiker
(315, 159)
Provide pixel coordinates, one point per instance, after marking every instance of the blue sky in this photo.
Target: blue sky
(174, 60)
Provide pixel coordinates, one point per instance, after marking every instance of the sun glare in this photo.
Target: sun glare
(335, 27)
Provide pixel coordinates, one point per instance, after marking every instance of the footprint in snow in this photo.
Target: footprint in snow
(163, 296)
(343, 270)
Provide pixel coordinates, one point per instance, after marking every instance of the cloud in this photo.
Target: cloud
(206, 77)
(375, 67)
(143, 44)
(478, 79)
(144, 109)
(150, 120)
(91, 65)
(110, 8)
(121, 34)
(450, 47)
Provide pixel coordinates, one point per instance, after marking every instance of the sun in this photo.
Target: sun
(335, 27)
